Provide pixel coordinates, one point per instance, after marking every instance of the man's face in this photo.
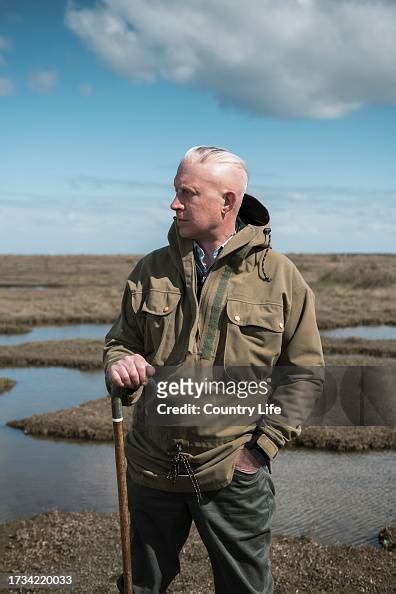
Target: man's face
(198, 202)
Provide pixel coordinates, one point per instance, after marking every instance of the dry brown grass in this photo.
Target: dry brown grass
(79, 353)
(37, 290)
(92, 420)
(6, 384)
(64, 271)
(87, 354)
(350, 289)
(360, 275)
(87, 544)
(347, 439)
(359, 346)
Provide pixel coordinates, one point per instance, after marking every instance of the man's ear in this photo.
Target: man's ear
(229, 202)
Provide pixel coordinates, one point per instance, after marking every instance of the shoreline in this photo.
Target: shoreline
(92, 421)
(6, 384)
(86, 354)
(87, 544)
(350, 290)
(24, 326)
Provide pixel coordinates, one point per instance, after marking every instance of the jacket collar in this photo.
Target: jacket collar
(256, 232)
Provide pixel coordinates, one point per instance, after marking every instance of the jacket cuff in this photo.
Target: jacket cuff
(262, 448)
(260, 456)
(266, 444)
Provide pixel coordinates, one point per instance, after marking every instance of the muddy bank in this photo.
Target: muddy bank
(359, 346)
(6, 384)
(87, 545)
(72, 289)
(358, 360)
(92, 420)
(78, 353)
(351, 289)
(14, 329)
(87, 353)
(82, 289)
(347, 439)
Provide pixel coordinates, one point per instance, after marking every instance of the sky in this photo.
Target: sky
(100, 99)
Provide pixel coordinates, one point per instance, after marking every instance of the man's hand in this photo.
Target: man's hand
(246, 462)
(130, 372)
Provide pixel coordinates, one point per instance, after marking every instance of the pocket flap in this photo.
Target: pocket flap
(265, 315)
(160, 303)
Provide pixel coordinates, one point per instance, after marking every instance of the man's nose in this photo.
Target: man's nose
(176, 204)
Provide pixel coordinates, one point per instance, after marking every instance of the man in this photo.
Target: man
(216, 296)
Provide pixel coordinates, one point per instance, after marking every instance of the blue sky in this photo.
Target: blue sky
(99, 101)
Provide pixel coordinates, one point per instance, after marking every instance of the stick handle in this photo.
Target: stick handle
(116, 408)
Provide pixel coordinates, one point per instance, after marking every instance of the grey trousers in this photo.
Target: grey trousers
(234, 523)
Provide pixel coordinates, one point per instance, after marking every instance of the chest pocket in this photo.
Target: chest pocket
(161, 324)
(254, 333)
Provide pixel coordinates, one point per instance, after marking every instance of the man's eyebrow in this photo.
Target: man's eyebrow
(192, 189)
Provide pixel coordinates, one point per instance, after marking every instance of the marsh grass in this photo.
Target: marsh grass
(79, 353)
(87, 545)
(350, 289)
(366, 275)
(92, 421)
(86, 354)
(359, 346)
(41, 290)
(6, 384)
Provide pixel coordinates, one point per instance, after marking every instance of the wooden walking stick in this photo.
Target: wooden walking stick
(116, 408)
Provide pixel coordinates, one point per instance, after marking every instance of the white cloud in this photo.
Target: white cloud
(85, 89)
(6, 87)
(43, 81)
(329, 220)
(295, 58)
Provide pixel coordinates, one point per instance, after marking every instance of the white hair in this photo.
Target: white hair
(213, 154)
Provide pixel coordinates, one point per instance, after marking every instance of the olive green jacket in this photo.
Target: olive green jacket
(255, 310)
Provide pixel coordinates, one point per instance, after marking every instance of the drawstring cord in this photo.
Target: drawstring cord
(181, 458)
(268, 234)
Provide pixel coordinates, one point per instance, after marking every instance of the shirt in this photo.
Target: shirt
(199, 255)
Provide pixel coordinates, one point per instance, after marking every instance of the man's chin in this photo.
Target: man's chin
(184, 231)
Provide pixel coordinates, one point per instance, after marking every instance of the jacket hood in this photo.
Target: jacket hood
(252, 212)
(256, 233)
